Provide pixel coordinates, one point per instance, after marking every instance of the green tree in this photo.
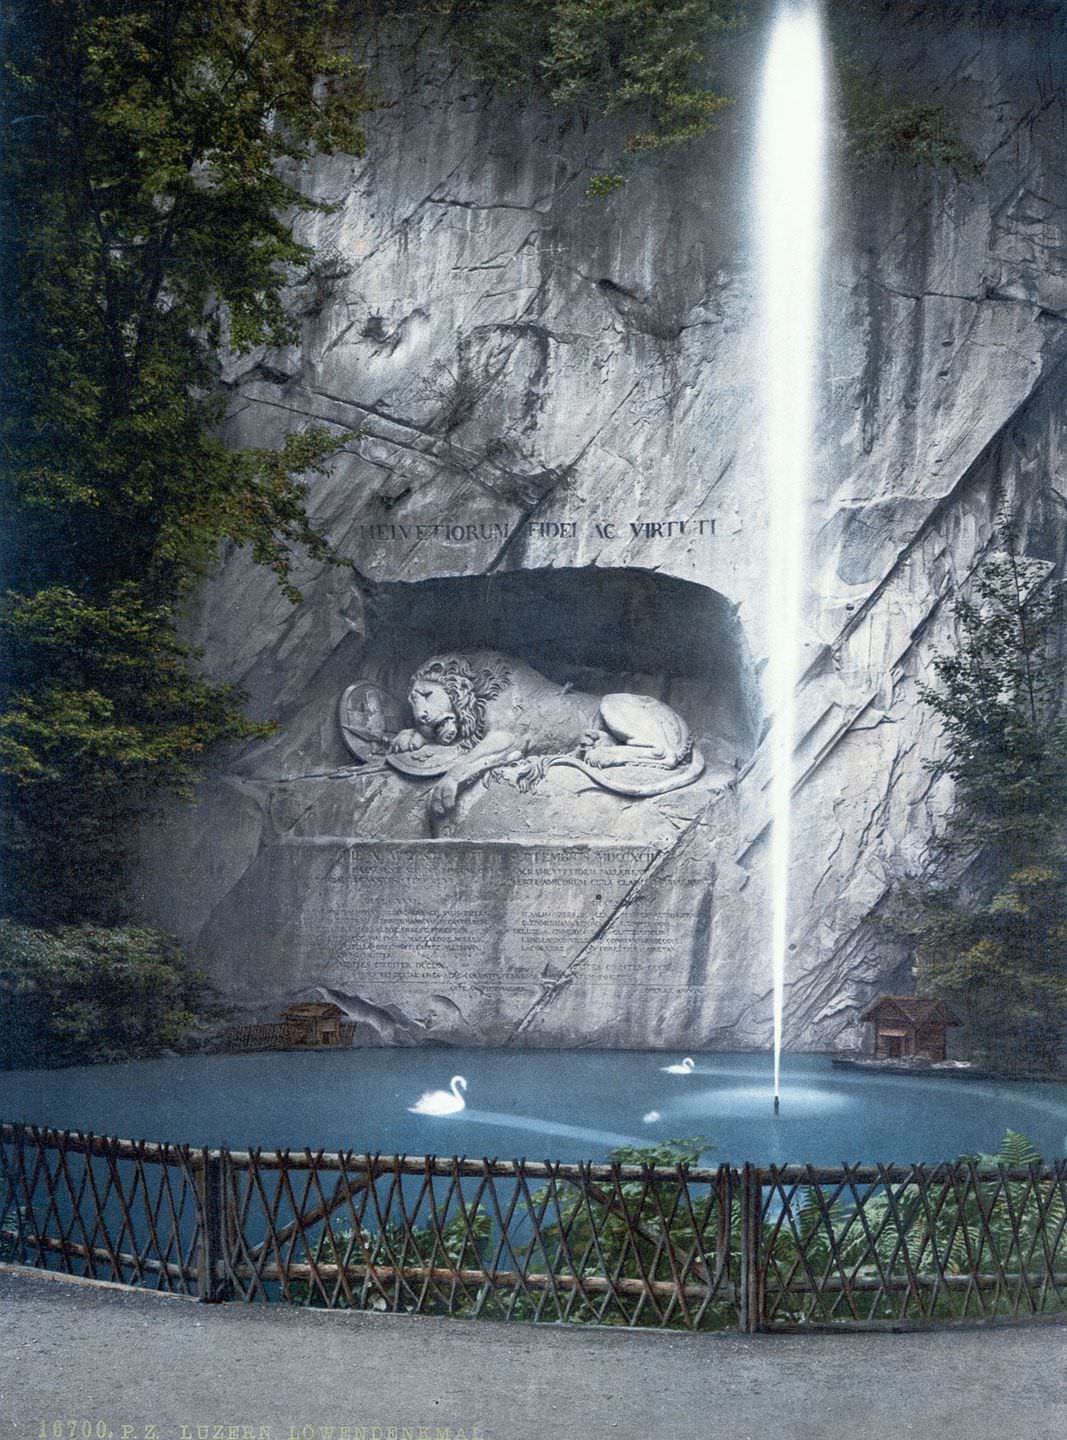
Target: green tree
(999, 695)
(79, 994)
(996, 949)
(147, 150)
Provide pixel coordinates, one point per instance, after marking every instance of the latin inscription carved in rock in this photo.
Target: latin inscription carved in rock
(458, 914)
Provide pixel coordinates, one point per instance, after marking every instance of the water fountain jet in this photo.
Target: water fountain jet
(789, 193)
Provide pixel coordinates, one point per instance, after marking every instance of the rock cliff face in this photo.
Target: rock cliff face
(556, 455)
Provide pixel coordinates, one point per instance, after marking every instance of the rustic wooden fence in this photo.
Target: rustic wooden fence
(665, 1246)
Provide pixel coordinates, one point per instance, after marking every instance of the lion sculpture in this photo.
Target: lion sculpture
(496, 711)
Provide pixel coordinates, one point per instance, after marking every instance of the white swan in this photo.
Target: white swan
(441, 1102)
(651, 1117)
(682, 1069)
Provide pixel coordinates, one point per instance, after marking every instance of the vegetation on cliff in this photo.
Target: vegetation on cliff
(995, 946)
(643, 62)
(646, 62)
(884, 128)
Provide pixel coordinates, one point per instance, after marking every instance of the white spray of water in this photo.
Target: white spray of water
(790, 182)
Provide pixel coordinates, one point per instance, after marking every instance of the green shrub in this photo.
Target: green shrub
(642, 61)
(889, 129)
(84, 994)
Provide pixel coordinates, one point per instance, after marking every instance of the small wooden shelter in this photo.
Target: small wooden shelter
(907, 1026)
(313, 1022)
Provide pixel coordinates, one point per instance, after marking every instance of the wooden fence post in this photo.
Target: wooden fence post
(750, 1310)
(211, 1284)
(724, 1199)
(16, 1200)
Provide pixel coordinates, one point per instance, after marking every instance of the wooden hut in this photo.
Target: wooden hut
(313, 1022)
(906, 1027)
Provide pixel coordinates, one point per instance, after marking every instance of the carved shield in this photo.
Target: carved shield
(369, 717)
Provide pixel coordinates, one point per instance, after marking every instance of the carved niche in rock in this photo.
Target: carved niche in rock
(482, 712)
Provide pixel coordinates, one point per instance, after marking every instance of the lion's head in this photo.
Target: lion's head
(448, 698)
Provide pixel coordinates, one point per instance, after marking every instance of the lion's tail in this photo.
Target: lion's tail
(639, 781)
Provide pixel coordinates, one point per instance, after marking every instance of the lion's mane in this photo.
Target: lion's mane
(468, 691)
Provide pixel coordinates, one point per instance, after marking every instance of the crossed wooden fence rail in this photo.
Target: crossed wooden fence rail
(637, 1245)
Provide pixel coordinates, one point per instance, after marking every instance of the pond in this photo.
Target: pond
(558, 1105)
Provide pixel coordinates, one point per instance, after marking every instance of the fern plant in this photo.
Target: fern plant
(897, 1240)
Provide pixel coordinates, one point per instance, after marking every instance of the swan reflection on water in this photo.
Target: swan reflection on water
(451, 1102)
(609, 1139)
(442, 1102)
(685, 1068)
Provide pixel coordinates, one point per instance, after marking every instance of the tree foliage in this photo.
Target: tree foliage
(998, 694)
(148, 221)
(646, 61)
(886, 121)
(102, 713)
(997, 949)
(80, 994)
(889, 129)
(639, 60)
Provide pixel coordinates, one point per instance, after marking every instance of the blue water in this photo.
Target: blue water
(557, 1105)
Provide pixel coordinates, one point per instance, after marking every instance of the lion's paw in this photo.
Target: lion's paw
(406, 740)
(529, 776)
